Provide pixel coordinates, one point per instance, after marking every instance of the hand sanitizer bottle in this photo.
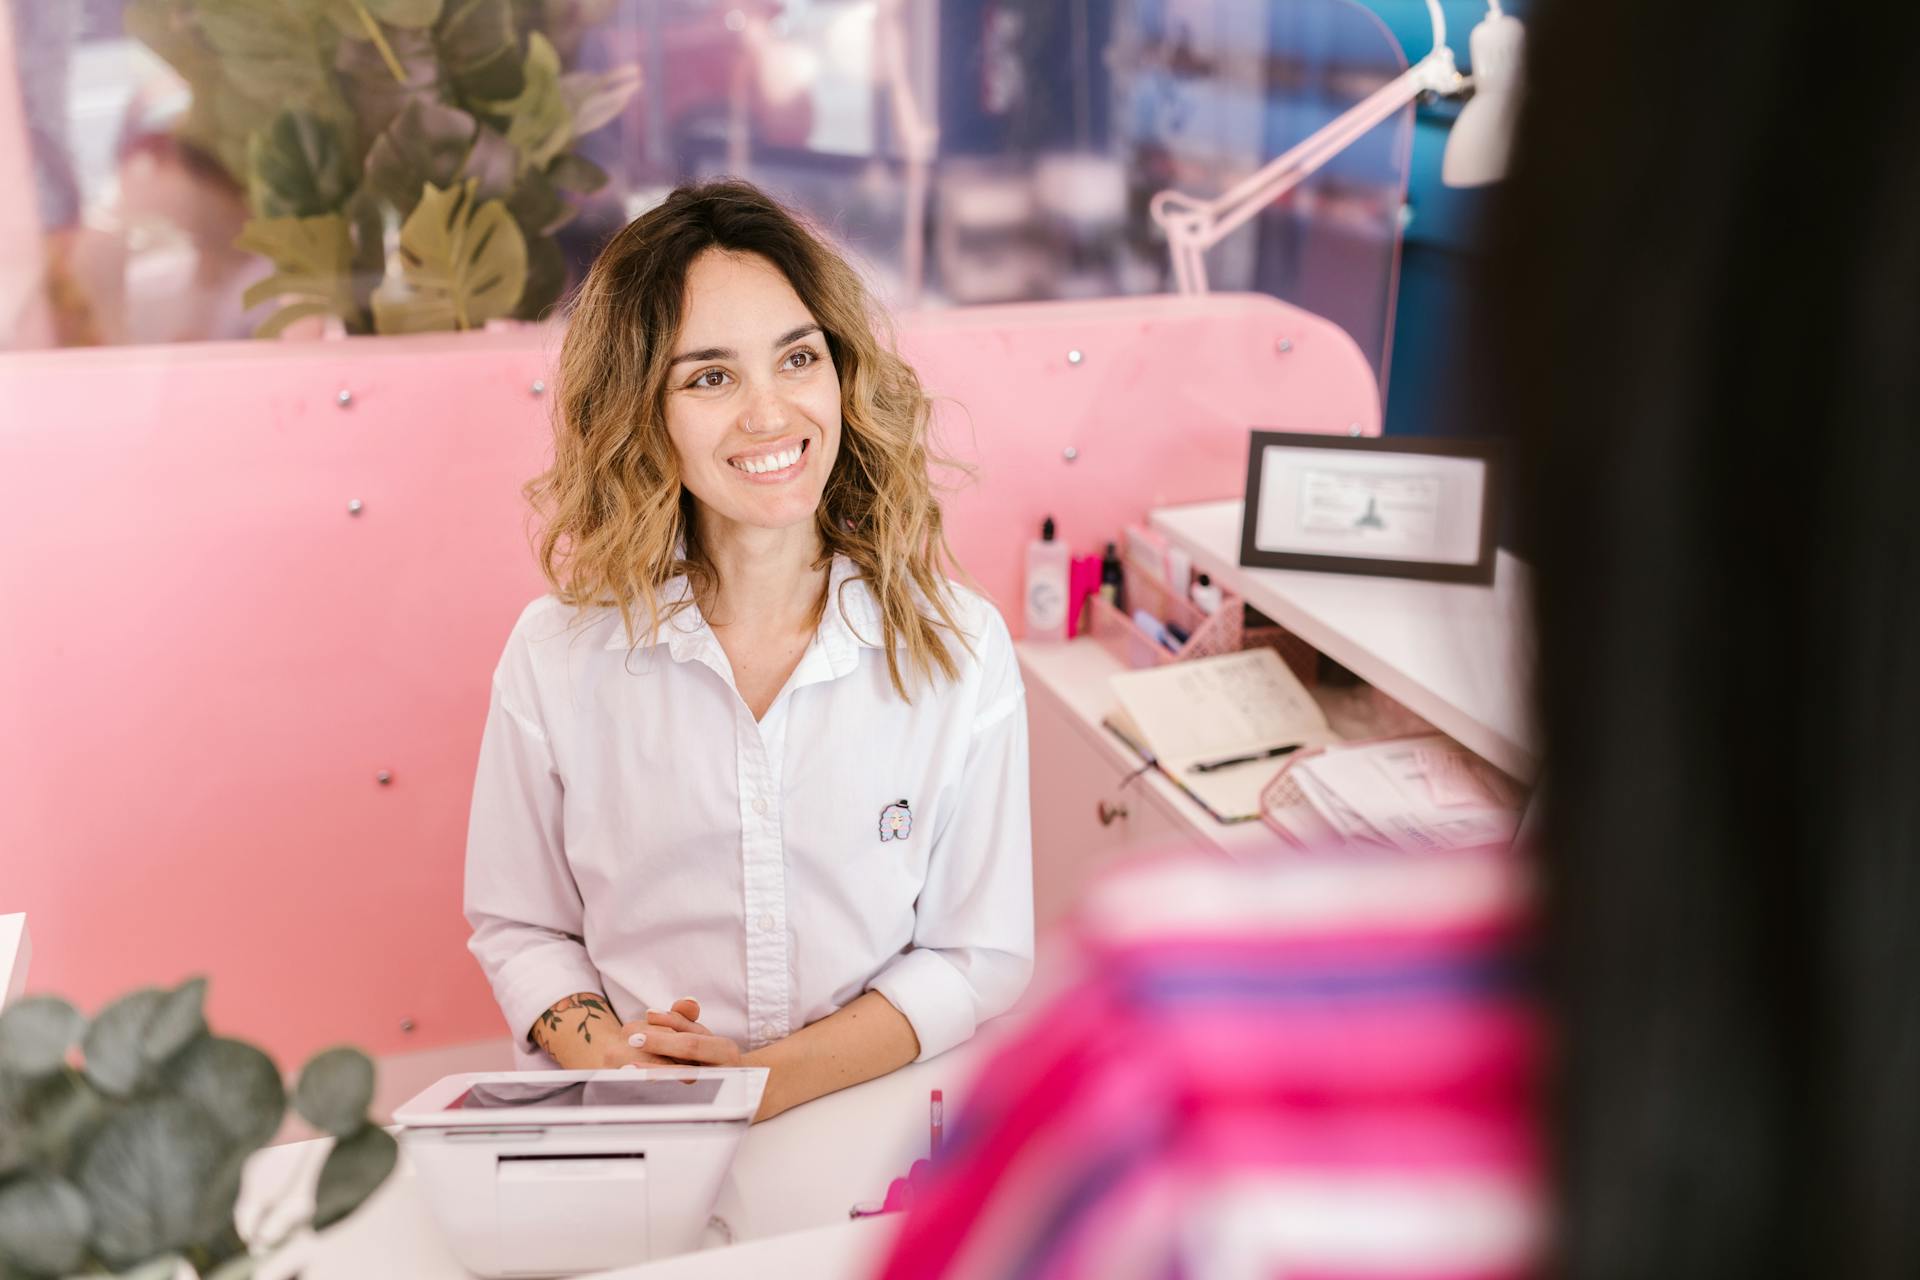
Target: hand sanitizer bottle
(1047, 586)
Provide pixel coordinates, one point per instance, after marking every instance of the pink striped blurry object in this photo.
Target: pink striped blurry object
(1318, 1068)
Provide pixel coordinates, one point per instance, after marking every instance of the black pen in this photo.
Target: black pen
(1210, 765)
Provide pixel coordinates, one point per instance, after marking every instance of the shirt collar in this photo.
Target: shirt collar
(850, 622)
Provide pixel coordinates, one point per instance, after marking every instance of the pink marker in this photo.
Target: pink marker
(936, 1118)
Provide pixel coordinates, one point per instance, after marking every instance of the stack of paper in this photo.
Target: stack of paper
(1417, 795)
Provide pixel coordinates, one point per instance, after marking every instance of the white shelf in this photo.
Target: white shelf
(1458, 656)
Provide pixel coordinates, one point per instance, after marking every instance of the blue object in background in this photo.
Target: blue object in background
(1441, 243)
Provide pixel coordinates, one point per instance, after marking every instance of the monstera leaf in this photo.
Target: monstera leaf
(380, 80)
(465, 263)
(277, 52)
(480, 49)
(539, 124)
(298, 167)
(426, 143)
(313, 258)
(574, 172)
(356, 17)
(594, 98)
(546, 278)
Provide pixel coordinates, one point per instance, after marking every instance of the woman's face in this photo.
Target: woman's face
(753, 399)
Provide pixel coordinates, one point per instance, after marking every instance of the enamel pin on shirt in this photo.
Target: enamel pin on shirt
(896, 822)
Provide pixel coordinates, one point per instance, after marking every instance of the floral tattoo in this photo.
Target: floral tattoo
(591, 1009)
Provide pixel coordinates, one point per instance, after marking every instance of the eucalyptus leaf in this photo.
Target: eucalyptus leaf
(57, 1116)
(426, 143)
(213, 1211)
(236, 1083)
(298, 167)
(464, 263)
(354, 1170)
(275, 52)
(44, 1224)
(594, 98)
(144, 1175)
(335, 1090)
(574, 172)
(35, 1034)
(136, 1033)
(480, 48)
(539, 123)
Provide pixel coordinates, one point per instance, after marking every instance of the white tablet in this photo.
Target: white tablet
(631, 1095)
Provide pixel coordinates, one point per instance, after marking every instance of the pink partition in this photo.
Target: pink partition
(206, 660)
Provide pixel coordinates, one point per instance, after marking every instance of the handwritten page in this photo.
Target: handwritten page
(1212, 708)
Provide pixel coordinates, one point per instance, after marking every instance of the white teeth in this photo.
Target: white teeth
(771, 462)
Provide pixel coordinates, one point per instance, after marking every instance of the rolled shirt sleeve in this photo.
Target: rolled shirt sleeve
(972, 952)
(521, 898)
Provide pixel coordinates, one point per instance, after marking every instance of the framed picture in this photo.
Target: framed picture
(1394, 507)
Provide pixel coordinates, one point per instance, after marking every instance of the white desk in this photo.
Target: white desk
(797, 1173)
(1458, 656)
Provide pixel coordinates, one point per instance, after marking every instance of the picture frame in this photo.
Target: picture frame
(1399, 507)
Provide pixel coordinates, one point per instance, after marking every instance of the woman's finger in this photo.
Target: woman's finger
(688, 1008)
(677, 1022)
(710, 1051)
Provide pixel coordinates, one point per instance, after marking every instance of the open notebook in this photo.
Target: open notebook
(1191, 714)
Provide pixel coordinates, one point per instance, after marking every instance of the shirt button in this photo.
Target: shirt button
(760, 804)
(767, 923)
(766, 1031)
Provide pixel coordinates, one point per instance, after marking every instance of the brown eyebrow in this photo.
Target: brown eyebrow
(728, 353)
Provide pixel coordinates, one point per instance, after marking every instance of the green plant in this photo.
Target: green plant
(454, 119)
(131, 1160)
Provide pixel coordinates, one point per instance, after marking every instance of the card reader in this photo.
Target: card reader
(541, 1173)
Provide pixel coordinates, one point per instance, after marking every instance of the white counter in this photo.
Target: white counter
(795, 1178)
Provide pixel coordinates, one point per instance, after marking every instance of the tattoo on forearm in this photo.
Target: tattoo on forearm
(590, 1008)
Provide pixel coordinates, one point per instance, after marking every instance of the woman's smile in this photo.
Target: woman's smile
(774, 463)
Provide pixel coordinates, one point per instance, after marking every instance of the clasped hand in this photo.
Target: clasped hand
(673, 1038)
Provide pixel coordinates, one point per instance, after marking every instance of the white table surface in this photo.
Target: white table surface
(785, 1199)
(1456, 655)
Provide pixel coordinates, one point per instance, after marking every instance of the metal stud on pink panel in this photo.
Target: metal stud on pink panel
(203, 663)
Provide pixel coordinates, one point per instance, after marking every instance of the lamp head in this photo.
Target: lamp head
(1483, 135)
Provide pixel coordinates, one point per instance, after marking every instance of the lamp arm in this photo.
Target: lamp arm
(1193, 226)
(1197, 225)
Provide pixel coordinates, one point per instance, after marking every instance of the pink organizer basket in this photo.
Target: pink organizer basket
(1208, 635)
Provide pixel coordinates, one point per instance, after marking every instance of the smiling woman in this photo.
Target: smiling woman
(751, 652)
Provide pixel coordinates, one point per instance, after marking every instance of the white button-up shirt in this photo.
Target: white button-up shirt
(636, 832)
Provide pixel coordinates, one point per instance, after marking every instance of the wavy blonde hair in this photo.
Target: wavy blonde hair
(613, 513)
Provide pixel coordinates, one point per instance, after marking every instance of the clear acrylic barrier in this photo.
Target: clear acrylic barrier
(970, 151)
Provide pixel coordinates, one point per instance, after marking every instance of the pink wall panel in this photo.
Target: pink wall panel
(205, 660)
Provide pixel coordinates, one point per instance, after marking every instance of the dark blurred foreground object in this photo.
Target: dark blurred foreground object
(133, 1157)
(1314, 1066)
(1705, 330)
